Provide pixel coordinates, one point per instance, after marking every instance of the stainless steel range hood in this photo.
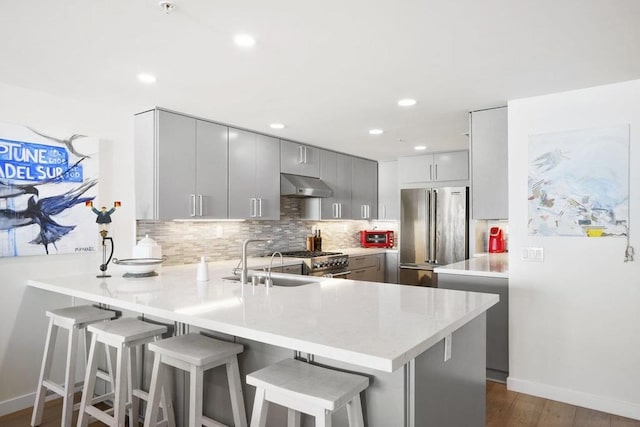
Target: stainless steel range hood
(303, 186)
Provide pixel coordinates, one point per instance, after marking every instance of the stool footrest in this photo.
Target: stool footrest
(102, 416)
(209, 422)
(102, 398)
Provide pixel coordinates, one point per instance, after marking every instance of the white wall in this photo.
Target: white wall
(22, 319)
(575, 318)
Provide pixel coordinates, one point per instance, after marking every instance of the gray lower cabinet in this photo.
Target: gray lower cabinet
(497, 318)
(254, 176)
(335, 171)
(489, 180)
(369, 268)
(299, 159)
(364, 189)
(181, 167)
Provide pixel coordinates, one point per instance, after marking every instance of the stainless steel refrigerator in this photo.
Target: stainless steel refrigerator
(434, 228)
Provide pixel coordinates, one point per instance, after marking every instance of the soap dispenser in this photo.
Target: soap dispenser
(203, 270)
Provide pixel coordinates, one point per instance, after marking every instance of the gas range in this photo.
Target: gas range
(321, 263)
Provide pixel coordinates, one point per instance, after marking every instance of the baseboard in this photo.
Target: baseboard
(21, 402)
(577, 398)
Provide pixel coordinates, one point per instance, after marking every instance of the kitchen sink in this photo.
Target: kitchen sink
(278, 280)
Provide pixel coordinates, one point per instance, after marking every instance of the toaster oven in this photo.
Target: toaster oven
(376, 238)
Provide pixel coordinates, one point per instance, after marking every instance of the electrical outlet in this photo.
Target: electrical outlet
(532, 254)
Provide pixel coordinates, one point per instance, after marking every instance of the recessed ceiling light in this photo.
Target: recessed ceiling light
(376, 131)
(146, 78)
(276, 126)
(420, 147)
(407, 102)
(244, 40)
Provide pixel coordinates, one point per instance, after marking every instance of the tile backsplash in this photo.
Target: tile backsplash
(183, 242)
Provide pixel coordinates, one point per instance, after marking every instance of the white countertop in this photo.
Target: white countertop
(379, 326)
(489, 265)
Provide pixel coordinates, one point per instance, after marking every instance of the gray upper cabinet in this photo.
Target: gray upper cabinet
(254, 176)
(364, 189)
(489, 180)
(335, 171)
(388, 191)
(436, 167)
(298, 159)
(181, 167)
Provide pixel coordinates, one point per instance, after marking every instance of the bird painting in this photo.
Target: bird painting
(67, 142)
(9, 190)
(41, 213)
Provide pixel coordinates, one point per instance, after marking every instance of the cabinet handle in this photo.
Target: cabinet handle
(193, 205)
(436, 171)
(300, 154)
(334, 210)
(260, 208)
(252, 208)
(430, 172)
(339, 210)
(305, 155)
(200, 202)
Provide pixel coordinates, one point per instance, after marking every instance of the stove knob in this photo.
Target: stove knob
(316, 265)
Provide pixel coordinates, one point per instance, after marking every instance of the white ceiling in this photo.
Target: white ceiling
(330, 70)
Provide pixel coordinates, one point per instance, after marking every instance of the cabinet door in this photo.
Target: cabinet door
(343, 187)
(267, 183)
(489, 181)
(452, 166)
(176, 163)
(415, 169)
(242, 174)
(388, 191)
(364, 180)
(299, 159)
(211, 169)
(329, 208)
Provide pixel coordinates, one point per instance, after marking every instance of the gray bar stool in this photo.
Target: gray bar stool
(74, 320)
(195, 354)
(126, 335)
(307, 388)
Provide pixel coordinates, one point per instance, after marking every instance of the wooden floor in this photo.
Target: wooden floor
(504, 408)
(508, 408)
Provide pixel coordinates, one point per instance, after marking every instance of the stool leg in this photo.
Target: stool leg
(155, 390)
(47, 358)
(260, 409)
(134, 384)
(354, 412)
(69, 380)
(195, 396)
(167, 402)
(235, 388)
(293, 418)
(323, 418)
(89, 384)
(120, 401)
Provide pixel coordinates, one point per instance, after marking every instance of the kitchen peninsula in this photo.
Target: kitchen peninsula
(393, 334)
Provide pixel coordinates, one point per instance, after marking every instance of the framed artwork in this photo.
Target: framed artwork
(45, 181)
(579, 183)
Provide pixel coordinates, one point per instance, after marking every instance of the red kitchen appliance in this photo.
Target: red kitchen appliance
(376, 239)
(496, 240)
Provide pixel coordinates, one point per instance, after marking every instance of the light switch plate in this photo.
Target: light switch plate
(532, 254)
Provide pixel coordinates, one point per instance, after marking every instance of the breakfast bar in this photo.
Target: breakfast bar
(423, 349)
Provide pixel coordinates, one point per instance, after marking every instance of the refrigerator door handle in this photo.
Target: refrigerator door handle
(434, 219)
(427, 240)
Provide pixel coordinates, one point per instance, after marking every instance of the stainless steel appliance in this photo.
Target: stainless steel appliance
(333, 264)
(434, 228)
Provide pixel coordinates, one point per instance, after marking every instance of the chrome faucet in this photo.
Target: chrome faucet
(268, 282)
(245, 273)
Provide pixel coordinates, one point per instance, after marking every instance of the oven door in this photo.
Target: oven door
(334, 274)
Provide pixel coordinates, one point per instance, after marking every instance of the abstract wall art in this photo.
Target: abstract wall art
(579, 183)
(45, 181)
